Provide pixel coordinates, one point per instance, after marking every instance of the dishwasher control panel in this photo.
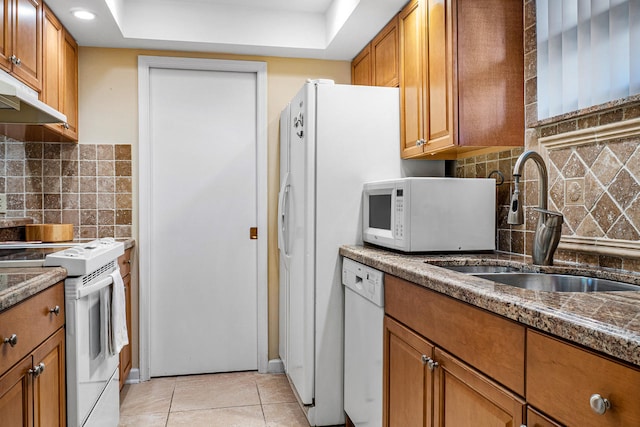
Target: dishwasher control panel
(364, 280)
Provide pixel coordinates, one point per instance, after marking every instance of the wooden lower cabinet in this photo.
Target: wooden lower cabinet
(29, 398)
(49, 403)
(425, 386)
(563, 378)
(450, 364)
(124, 262)
(407, 379)
(464, 397)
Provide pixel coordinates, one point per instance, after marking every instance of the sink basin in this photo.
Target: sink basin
(476, 269)
(557, 282)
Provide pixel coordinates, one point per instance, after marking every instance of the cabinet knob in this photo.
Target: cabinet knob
(15, 60)
(431, 364)
(37, 370)
(12, 340)
(599, 404)
(65, 125)
(420, 142)
(55, 310)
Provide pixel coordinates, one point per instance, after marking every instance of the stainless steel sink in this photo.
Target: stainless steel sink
(557, 282)
(477, 269)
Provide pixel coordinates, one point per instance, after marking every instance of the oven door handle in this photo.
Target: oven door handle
(87, 290)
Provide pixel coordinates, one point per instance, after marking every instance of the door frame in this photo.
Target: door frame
(145, 63)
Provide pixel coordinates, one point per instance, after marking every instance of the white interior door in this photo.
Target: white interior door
(203, 269)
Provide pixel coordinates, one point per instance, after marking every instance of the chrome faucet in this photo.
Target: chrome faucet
(549, 228)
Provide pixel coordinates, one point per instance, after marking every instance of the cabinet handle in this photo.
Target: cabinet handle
(420, 142)
(599, 404)
(55, 310)
(431, 364)
(37, 370)
(15, 60)
(12, 340)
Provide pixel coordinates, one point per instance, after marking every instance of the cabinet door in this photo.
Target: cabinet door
(407, 380)
(16, 398)
(440, 101)
(70, 85)
(52, 64)
(5, 35)
(384, 56)
(49, 403)
(27, 42)
(361, 68)
(125, 353)
(464, 397)
(412, 77)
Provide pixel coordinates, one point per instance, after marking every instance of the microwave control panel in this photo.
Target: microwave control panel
(399, 217)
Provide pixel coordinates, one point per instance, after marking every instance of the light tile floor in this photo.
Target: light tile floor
(243, 399)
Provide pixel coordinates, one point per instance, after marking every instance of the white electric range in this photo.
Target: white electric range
(92, 365)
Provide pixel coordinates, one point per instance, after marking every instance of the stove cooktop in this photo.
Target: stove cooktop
(26, 257)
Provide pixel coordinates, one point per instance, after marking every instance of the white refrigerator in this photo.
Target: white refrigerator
(333, 139)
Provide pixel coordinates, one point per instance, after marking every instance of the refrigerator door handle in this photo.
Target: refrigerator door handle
(283, 198)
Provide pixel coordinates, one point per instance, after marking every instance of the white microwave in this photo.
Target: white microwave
(430, 214)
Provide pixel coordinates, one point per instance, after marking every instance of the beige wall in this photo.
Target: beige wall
(108, 100)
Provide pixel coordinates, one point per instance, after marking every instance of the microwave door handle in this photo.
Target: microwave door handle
(87, 290)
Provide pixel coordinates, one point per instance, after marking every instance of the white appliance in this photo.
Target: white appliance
(333, 139)
(363, 336)
(430, 214)
(92, 369)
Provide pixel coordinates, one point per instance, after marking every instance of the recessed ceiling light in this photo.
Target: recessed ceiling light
(85, 15)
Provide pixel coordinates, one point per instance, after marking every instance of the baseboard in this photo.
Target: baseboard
(275, 366)
(134, 376)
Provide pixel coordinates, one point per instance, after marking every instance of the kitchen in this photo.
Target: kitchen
(108, 88)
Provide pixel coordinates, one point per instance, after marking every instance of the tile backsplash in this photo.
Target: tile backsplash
(87, 185)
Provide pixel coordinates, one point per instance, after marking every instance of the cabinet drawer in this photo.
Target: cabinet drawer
(488, 342)
(124, 262)
(32, 322)
(561, 378)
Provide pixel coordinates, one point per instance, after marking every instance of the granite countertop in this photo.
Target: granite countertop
(18, 284)
(608, 322)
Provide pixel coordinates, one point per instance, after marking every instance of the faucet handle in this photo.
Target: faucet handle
(551, 218)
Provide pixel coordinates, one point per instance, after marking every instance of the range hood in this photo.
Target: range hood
(19, 104)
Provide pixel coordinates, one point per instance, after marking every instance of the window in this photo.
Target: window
(588, 53)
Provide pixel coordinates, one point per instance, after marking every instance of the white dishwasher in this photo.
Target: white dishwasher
(363, 333)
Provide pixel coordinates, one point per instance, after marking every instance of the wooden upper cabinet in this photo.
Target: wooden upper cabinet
(412, 77)
(27, 42)
(60, 87)
(377, 64)
(52, 63)
(21, 41)
(70, 85)
(384, 56)
(461, 77)
(361, 67)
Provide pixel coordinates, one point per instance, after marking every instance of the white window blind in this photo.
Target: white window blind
(588, 53)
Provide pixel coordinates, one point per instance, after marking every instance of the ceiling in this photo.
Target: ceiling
(323, 29)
